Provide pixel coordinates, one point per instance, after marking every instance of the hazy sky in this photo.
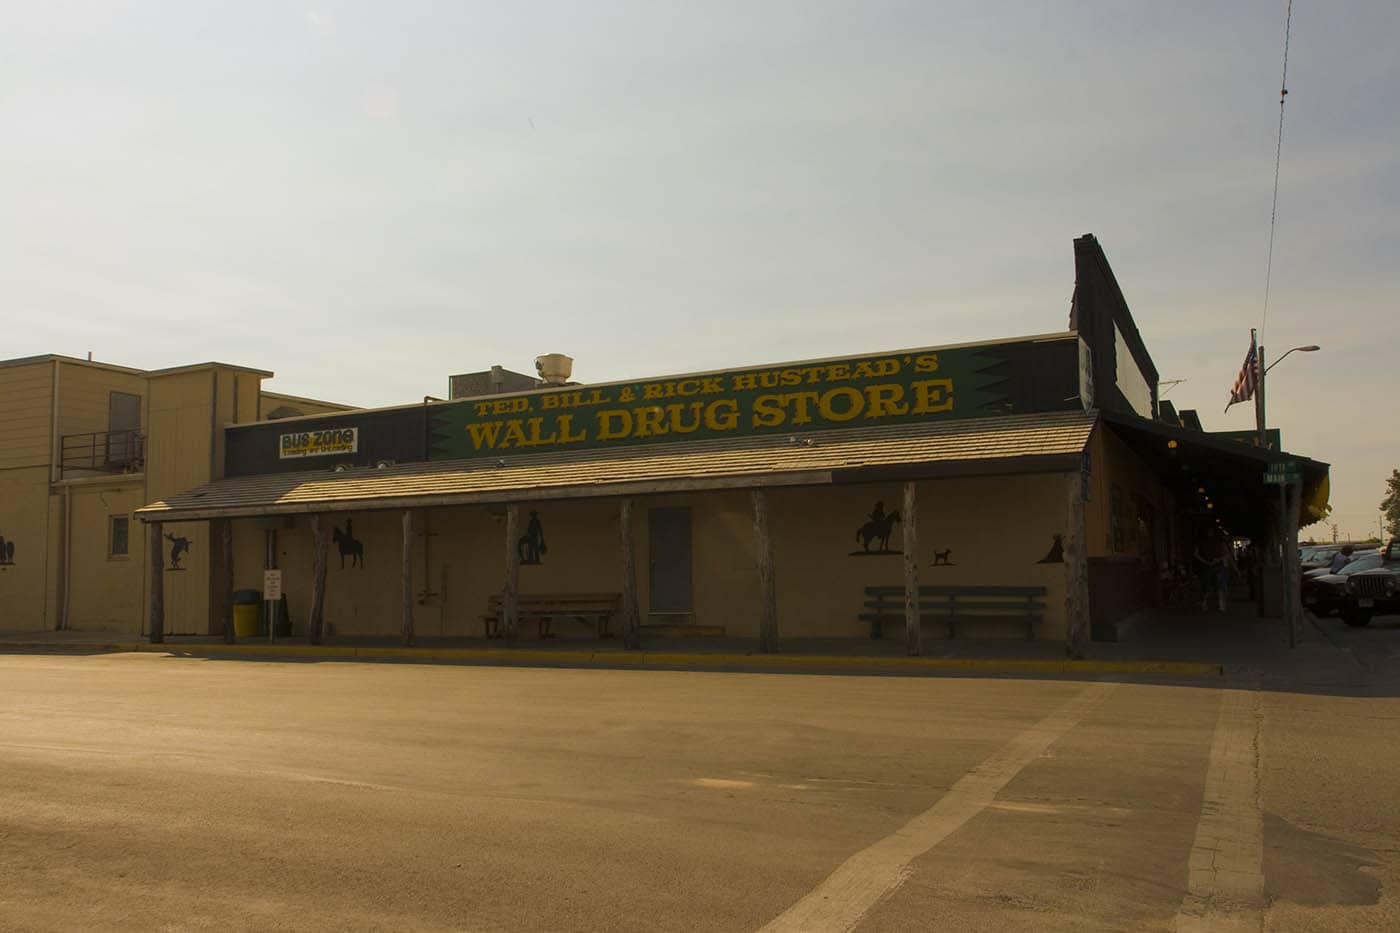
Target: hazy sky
(368, 196)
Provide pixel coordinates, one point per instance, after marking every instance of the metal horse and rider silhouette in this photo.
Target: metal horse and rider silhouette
(878, 529)
(349, 546)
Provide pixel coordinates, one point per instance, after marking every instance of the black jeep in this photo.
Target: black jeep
(1373, 591)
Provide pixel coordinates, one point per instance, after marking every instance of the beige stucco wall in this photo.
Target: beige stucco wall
(998, 528)
(106, 591)
(26, 587)
(84, 395)
(26, 417)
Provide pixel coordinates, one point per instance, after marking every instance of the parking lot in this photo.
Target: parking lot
(146, 791)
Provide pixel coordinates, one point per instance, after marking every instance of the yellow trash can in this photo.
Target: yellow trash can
(247, 613)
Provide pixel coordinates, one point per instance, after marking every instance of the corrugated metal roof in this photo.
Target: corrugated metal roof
(808, 459)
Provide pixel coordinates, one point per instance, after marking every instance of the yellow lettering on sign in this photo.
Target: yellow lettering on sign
(722, 415)
(882, 401)
(678, 424)
(767, 411)
(566, 422)
(613, 424)
(801, 403)
(484, 434)
(851, 408)
(647, 421)
(927, 363)
(932, 395)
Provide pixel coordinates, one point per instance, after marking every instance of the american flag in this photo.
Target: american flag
(1248, 378)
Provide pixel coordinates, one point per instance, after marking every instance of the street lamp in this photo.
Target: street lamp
(1259, 393)
(1312, 348)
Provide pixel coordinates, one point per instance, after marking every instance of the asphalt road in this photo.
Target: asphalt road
(147, 792)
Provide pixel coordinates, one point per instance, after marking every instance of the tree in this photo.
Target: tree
(1390, 505)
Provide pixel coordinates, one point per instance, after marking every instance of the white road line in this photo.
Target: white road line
(1226, 881)
(872, 874)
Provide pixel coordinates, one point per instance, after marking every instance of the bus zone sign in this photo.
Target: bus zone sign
(319, 443)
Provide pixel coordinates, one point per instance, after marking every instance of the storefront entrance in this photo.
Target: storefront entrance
(672, 590)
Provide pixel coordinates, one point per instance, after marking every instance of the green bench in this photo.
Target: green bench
(957, 606)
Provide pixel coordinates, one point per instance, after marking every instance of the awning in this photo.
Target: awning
(1231, 473)
(1025, 443)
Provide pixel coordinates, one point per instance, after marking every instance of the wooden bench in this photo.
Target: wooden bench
(957, 606)
(597, 609)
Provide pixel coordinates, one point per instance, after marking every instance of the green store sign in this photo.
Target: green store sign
(892, 388)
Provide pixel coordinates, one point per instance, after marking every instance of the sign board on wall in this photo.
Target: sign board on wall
(272, 585)
(318, 443)
(891, 388)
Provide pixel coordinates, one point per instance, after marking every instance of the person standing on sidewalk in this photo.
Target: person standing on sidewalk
(1213, 569)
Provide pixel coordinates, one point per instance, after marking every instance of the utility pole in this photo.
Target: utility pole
(1259, 422)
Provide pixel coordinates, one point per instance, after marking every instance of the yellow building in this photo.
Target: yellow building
(75, 444)
(1032, 486)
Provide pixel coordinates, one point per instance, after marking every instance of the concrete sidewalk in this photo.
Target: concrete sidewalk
(1153, 643)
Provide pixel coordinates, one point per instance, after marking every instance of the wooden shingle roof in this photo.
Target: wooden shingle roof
(1022, 443)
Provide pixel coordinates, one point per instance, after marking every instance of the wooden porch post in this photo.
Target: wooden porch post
(510, 589)
(156, 628)
(913, 630)
(226, 584)
(315, 630)
(1076, 570)
(1292, 571)
(768, 595)
(408, 578)
(631, 631)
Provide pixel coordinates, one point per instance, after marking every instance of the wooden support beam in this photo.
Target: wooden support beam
(510, 588)
(768, 594)
(316, 625)
(1076, 569)
(913, 630)
(631, 623)
(226, 581)
(408, 578)
(1292, 571)
(156, 625)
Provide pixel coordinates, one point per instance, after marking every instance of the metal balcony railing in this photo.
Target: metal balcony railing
(104, 451)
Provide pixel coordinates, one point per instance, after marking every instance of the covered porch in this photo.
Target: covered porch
(768, 542)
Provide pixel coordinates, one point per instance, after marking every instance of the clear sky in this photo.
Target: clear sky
(369, 196)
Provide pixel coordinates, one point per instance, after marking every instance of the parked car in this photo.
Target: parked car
(1317, 557)
(1371, 591)
(1325, 593)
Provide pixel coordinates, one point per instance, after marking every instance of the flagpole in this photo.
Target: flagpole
(1259, 422)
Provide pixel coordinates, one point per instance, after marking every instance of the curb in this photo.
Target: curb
(525, 657)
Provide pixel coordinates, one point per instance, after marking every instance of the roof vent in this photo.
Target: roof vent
(554, 368)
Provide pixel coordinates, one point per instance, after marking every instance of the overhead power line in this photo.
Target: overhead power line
(1278, 159)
